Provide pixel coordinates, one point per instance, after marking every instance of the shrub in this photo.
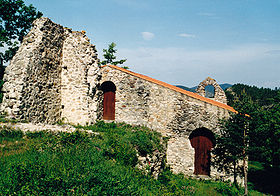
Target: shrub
(76, 137)
(117, 147)
(8, 132)
(227, 189)
(36, 134)
(146, 141)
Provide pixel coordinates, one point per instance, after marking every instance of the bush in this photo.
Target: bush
(76, 137)
(8, 132)
(227, 189)
(146, 141)
(36, 134)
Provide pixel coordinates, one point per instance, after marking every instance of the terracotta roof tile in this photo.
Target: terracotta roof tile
(191, 94)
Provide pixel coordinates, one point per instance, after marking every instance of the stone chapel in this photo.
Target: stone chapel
(55, 76)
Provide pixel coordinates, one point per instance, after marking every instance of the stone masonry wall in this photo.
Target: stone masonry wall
(80, 75)
(32, 80)
(219, 93)
(175, 115)
(52, 77)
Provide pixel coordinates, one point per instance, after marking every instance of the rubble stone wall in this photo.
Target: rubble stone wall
(52, 77)
(175, 115)
(80, 75)
(32, 80)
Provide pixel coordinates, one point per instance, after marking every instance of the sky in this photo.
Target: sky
(181, 42)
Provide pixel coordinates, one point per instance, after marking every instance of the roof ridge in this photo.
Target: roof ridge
(175, 88)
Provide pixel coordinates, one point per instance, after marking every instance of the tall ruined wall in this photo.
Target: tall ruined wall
(176, 115)
(52, 76)
(32, 80)
(80, 75)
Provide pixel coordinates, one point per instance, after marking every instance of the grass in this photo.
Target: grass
(44, 163)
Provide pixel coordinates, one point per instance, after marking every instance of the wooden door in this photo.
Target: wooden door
(109, 105)
(202, 146)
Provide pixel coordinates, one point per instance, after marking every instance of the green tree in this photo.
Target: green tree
(232, 144)
(15, 21)
(229, 149)
(265, 134)
(109, 56)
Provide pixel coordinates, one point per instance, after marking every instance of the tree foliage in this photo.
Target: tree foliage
(232, 142)
(264, 122)
(263, 133)
(260, 96)
(109, 56)
(15, 20)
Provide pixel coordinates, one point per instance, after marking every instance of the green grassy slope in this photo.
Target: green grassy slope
(43, 163)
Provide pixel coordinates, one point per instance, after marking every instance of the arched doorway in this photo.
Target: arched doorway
(109, 91)
(202, 140)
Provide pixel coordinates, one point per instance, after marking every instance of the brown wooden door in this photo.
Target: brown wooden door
(109, 105)
(202, 146)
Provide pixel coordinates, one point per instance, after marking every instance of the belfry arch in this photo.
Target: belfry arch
(109, 98)
(202, 140)
(219, 94)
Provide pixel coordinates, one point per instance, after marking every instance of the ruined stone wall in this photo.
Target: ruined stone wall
(52, 77)
(32, 80)
(176, 115)
(80, 75)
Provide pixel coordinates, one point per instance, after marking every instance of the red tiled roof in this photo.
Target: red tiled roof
(191, 94)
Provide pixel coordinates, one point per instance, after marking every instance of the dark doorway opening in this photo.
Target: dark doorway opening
(109, 91)
(202, 140)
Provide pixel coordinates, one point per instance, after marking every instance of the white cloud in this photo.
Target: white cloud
(249, 64)
(147, 35)
(187, 35)
(208, 15)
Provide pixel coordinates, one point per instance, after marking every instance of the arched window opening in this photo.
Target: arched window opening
(109, 91)
(209, 91)
(202, 140)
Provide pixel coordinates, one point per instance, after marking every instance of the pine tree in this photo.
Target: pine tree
(233, 141)
(109, 56)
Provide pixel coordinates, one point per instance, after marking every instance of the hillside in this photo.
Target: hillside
(209, 90)
(101, 162)
(192, 89)
(261, 96)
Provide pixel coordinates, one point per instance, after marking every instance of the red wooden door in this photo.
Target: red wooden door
(202, 146)
(109, 105)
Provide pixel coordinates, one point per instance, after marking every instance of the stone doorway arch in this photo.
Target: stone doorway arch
(202, 140)
(109, 99)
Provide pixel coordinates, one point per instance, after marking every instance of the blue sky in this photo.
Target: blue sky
(182, 41)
